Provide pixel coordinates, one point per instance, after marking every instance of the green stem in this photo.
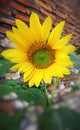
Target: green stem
(45, 91)
(55, 85)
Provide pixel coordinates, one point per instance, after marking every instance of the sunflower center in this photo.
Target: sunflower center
(41, 55)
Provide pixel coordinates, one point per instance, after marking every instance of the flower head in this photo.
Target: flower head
(40, 53)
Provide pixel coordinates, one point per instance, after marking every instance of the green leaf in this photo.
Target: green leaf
(50, 120)
(32, 95)
(4, 66)
(78, 51)
(70, 118)
(10, 123)
(60, 119)
(75, 59)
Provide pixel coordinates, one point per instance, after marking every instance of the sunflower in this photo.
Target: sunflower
(40, 53)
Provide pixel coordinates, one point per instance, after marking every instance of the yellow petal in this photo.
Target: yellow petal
(21, 25)
(55, 71)
(62, 42)
(20, 36)
(65, 70)
(37, 78)
(14, 29)
(64, 62)
(25, 41)
(46, 28)
(47, 75)
(51, 71)
(16, 67)
(28, 74)
(24, 30)
(61, 56)
(17, 41)
(14, 55)
(35, 27)
(56, 33)
(66, 50)
(25, 66)
(61, 70)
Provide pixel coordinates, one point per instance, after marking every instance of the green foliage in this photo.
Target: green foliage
(4, 66)
(10, 123)
(78, 51)
(32, 95)
(75, 87)
(35, 96)
(60, 119)
(75, 59)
